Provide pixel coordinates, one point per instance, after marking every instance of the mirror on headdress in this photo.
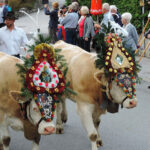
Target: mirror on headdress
(119, 59)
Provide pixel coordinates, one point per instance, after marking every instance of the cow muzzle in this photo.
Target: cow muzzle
(130, 103)
(49, 130)
(46, 128)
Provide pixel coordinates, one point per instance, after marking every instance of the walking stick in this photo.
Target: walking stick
(140, 44)
(144, 51)
(144, 30)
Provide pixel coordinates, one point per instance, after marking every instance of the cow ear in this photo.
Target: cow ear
(16, 95)
(99, 76)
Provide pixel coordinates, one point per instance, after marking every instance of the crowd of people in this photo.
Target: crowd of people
(72, 23)
(75, 25)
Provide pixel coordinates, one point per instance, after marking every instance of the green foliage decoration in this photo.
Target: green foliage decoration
(100, 47)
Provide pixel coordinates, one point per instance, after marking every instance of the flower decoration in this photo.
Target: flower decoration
(114, 42)
(46, 105)
(127, 82)
(45, 80)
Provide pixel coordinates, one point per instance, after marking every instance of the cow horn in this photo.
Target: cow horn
(99, 77)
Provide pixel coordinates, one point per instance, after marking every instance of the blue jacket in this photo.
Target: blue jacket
(53, 22)
(131, 41)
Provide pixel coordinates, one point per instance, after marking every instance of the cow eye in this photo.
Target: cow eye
(35, 109)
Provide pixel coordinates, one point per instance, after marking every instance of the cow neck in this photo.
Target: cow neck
(106, 89)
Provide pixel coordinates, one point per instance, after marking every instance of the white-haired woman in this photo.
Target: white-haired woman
(88, 28)
(131, 41)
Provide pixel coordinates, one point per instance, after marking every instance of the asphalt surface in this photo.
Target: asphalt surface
(126, 130)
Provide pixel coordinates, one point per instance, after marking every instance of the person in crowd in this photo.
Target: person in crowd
(147, 35)
(88, 30)
(6, 8)
(12, 38)
(2, 24)
(70, 24)
(61, 29)
(64, 9)
(80, 41)
(131, 41)
(76, 6)
(62, 13)
(116, 15)
(53, 22)
(107, 15)
(3, 12)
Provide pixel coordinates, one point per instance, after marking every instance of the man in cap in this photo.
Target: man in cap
(12, 38)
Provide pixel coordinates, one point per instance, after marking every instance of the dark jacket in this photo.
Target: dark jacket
(117, 18)
(53, 22)
(44, 1)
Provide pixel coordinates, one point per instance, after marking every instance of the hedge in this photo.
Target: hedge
(132, 6)
(17, 4)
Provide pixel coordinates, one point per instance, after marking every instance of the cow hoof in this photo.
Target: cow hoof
(59, 130)
(64, 117)
(93, 137)
(99, 143)
(1, 147)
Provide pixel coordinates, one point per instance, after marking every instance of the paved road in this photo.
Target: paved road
(126, 130)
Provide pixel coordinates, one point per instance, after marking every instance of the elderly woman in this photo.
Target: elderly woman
(131, 41)
(88, 28)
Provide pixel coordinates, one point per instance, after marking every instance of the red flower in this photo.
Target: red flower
(54, 76)
(40, 83)
(108, 41)
(52, 85)
(46, 84)
(37, 72)
(36, 78)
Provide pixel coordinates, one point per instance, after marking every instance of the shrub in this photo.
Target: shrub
(17, 4)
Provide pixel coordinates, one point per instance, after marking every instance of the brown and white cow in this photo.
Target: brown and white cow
(10, 114)
(87, 81)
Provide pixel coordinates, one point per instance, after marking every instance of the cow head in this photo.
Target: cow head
(33, 114)
(114, 92)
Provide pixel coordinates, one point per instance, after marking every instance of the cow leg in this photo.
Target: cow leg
(96, 120)
(85, 111)
(4, 136)
(59, 123)
(35, 146)
(64, 116)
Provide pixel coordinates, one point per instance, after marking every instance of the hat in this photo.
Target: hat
(10, 15)
(63, 7)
